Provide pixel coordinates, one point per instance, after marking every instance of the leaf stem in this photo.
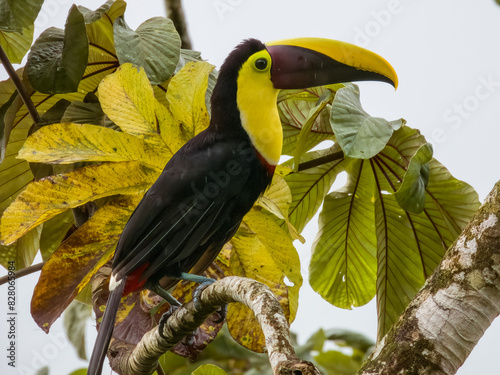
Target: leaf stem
(21, 89)
(23, 272)
(322, 160)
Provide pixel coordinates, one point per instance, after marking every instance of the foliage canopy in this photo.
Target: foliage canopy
(119, 103)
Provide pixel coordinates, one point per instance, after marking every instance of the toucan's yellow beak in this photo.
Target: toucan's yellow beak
(307, 62)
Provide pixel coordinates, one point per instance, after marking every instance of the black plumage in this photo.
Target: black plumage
(194, 207)
(201, 196)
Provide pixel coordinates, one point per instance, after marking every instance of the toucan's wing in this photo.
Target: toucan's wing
(187, 207)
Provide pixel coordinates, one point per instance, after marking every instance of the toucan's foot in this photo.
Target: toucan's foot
(165, 295)
(200, 288)
(197, 294)
(163, 320)
(222, 314)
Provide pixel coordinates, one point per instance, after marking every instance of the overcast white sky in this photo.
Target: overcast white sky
(447, 58)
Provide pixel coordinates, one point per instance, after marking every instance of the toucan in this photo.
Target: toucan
(199, 200)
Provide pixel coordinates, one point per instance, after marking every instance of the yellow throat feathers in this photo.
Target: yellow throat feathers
(256, 99)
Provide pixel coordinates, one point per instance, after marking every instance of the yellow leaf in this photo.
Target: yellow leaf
(264, 252)
(186, 95)
(280, 248)
(49, 196)
(72, 265)
(127, 98)
(209, 369)
(70, 143)
(171, 132)
(100, 32)
(277, 200)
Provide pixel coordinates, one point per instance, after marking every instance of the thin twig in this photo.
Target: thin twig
(21, 89)
(322, 160)
(23, 272)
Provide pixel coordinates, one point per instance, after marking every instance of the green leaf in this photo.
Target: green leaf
(102, 51)
(18, 14)
(360, 135)
(75, 321)
(294, 107)
(277, 199)
(338, 363)
(311, 119)
(315, 342)
(53, 233)
(53, 115)
(310, 186)
(209, 370)
(23, 251)
(91, 16)
(85, 113)
(411, 193)
(43, 371)
(409, 246)
(343, 265)
(81, 371)
(58, 59)
(15, 174)
(4, 129)
(17, 44)
(155, 46)
(345, 337)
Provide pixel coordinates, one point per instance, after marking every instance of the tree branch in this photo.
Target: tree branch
(449, 315)
(143, 359)
(21, 89)
(23, 272)
(176, 14)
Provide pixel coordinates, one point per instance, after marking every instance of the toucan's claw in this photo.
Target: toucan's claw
(163, 320)
(196, 299)
(199, 289)
(222, 314)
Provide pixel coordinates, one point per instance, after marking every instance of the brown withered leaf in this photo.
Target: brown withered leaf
(69, 269)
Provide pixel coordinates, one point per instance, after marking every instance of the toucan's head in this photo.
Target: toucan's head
(298, 64)
(306, 62)
(253, 73)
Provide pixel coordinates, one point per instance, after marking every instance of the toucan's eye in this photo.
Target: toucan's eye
(261, 64)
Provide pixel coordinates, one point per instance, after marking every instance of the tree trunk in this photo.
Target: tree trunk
(449, 315)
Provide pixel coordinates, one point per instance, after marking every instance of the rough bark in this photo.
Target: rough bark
(449, 315)
(143, 359)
